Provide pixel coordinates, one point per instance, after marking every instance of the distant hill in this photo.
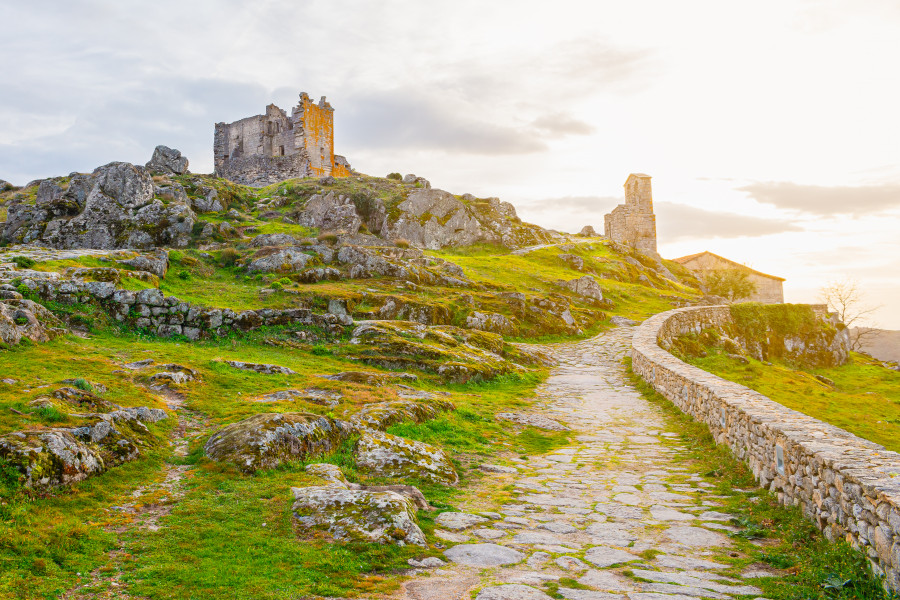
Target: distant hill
(883, 345)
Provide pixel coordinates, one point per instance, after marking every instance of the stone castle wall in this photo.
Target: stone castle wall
(846, 484)
(273, 147)
(634, 223)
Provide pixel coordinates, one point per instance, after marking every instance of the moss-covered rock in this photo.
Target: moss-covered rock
(387, 455)
(62, 456)
(384, 414)
(266, 440)
(357, 515)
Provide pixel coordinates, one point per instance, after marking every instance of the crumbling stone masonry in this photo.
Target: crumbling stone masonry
(634, 223)
(265, 149)
(845, 484)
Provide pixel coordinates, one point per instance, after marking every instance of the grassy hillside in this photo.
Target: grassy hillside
(862, 397)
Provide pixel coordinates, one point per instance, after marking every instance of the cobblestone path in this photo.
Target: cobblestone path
(612, 501)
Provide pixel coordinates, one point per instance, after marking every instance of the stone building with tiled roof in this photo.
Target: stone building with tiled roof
(769, 288)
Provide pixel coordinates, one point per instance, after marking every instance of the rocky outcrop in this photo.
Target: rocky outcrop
(167, 161)
(357, 515)
(279, 260)
(386, 455)
(588, 231)
(21, 318)
(435, 219)
(586, 287)
(114, 207)
(492, 322)
(457, 355)
(62, 456)
(266, 440)
(330, 212)
(384, 414)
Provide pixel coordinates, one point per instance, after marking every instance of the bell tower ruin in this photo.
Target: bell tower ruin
(634, 223)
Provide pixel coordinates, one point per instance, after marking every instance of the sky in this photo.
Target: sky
(770, 128)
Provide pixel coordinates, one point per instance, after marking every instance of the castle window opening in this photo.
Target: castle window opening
(281, 149)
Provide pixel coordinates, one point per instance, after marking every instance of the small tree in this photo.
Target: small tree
(845, 299)
(734, 284)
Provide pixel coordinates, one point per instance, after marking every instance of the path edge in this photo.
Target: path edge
(848, 486)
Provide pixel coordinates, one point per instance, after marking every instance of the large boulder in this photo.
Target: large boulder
(61, 456)
(167, 161)
(330, 213)
(114, 207)
(586, 287)
(266, 440)
(279, 260)
(387, 455)
(21, 318)
(156, 262)
(384, 414)
(492, 322)
(357, 515)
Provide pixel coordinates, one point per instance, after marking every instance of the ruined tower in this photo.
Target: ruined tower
(273, 147)
(634, 223)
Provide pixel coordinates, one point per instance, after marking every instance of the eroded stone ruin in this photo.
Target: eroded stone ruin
(265, 149)
(634, 223)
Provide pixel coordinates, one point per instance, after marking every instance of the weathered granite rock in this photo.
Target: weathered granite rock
(492, 322)
(27, 319)
(266, 440)
(167, 161)
(393, 456)
(586, 286)
(382, 415)
(260, 368)
(573, 260)
(156, 262)
(283, 260)
(114, 207)
(61, 456)
(330, 213)
(588, 231)
(357, 515)
(273, 239)
(602, 556)
(370, 377)
(207, 201)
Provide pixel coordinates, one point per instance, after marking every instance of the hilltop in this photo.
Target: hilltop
(160, 326)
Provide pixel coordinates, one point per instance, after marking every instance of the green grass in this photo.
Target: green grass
(813, 566)
(214, 544)
(542, 269)
(864, 400)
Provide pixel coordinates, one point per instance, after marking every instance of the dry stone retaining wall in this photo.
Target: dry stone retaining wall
(167, 315)
(849, 486)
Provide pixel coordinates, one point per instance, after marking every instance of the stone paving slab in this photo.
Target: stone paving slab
(588, 511)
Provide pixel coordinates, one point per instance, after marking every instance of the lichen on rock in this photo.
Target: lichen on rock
(389, 455)
(265, 440)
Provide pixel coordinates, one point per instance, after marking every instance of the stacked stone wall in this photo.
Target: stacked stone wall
(167, 316)
(848, 486)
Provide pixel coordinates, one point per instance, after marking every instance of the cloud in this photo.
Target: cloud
(826, 201)
(410, 120)
(674, 222)
(127, 125)
(561, 125)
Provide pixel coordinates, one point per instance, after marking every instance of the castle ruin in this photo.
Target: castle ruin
(634, 223)
(265, 149)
